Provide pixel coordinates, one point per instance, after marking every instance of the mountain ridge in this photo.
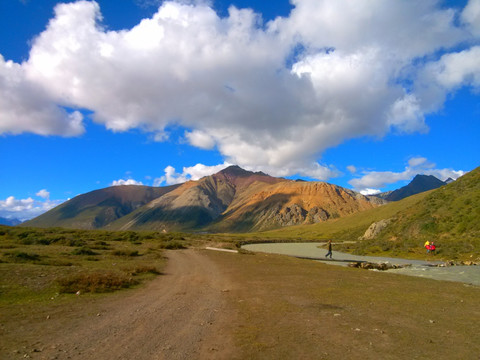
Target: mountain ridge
(233, 199)
(419, 184)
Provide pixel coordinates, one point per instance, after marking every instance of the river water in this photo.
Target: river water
(426, 269)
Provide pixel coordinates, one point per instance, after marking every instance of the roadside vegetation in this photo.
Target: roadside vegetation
(37, 265)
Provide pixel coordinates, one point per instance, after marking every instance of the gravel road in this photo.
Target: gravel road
(179, 315)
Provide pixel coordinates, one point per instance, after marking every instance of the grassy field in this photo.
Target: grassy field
(287, 308)
(298, 309)
(37, 265)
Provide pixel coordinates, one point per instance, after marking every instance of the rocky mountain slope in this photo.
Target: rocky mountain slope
(98, 208)
(233, 200)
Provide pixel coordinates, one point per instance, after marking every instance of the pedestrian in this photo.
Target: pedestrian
(427, 246)
(329, 253)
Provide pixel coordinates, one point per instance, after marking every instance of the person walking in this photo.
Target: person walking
(329, 253)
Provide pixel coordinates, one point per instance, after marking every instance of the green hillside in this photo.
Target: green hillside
(448, 215)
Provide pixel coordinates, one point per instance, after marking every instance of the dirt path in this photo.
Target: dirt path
(180, 315)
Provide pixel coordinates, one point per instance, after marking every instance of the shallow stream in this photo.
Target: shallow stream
(426, 268)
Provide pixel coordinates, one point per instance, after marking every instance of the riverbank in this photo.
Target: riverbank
(428, 268)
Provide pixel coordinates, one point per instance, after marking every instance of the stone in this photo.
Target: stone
(375, 228)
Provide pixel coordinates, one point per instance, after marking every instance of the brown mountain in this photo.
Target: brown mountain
(98, 208)
(235, 200)
(196, 204)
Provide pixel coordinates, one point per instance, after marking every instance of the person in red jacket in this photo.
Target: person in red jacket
(432, 248)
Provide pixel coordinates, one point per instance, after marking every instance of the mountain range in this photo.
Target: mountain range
(9, 222)
(420, 183)
(232, 200)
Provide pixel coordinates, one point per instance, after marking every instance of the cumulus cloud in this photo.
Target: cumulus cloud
(120, 182)
(200, 139)
(373, 180)
(370, 191)
(267, 95)
(196, 172)
(25, 107)
(43, 194)
(471, 16)
(352, 169)
(25, 209)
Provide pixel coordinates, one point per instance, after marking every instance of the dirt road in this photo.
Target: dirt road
(180, 315)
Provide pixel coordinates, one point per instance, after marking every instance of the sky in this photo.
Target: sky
(364, 94)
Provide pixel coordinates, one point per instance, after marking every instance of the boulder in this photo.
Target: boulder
(374, 229)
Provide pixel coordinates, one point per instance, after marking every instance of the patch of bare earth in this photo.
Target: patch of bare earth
(300, 309)
(180, 315)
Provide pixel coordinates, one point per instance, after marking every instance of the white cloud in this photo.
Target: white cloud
(471, 16)
(241, 87)
(419, 165)
(200, 139)
(25, 209)
(120, 182)
(370, 191)
(196, 172)
(352, 169)
(43, 194)
(25, 106)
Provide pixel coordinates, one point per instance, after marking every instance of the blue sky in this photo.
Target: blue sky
(363, 94)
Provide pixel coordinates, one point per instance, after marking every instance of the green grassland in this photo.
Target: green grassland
(37, 265)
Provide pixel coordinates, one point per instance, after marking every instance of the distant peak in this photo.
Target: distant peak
(422, 177)
(235, 170)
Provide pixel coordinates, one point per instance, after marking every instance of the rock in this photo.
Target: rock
(374, 229)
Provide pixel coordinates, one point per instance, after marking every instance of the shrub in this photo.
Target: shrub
(171, 245)
(20, 256)
(95, 282)
(84, 251)
(142, 270)
(126, 253)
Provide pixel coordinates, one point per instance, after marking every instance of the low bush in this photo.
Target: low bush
(84, 251)
(171, 245)
(98, 282)
(126, 253)
(142, 269)
(20, 257)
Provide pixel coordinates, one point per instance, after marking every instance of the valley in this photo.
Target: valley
(157, 294)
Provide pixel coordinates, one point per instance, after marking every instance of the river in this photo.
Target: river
(423, 268)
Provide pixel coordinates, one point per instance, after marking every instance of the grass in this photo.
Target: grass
(297, 309)
(38, 264)
(95, 282)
